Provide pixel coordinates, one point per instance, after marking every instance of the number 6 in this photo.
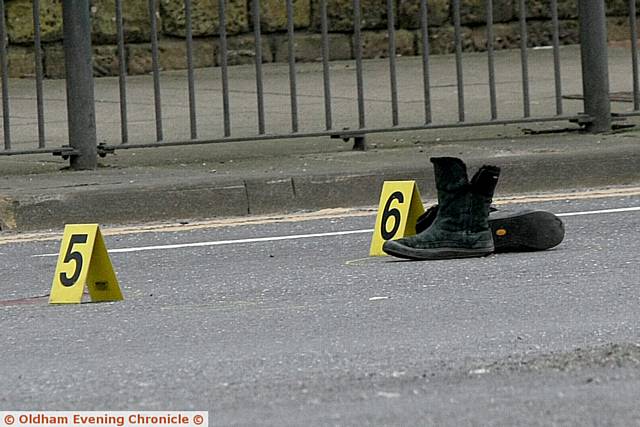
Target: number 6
(395, 213)
(73, 256)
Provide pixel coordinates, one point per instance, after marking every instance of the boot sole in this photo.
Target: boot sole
(525, 231)
(393, 248)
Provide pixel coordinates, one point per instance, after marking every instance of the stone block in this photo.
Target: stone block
(135, 17)
(540, 33)
(442, 41)
(375, 44)
(19, 16)
(172, 55)
(139, 59)
(541, 9)
(340, 15)
(54, 61)
(474, 12)
(505, 36)
(204, 17)
(619, 7)
(241, 50)
(309, 47)
(273, 15)
(106, 61)
(205, 52)
(409, 13)
(618, 28)
(21, 61)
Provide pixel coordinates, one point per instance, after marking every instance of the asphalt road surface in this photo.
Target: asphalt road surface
(259, 328)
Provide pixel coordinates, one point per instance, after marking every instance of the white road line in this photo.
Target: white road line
(228, 242)
(603, 211)
(304, 236)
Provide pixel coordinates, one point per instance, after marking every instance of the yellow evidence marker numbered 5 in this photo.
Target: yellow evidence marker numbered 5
(83, 260)
(399, 209)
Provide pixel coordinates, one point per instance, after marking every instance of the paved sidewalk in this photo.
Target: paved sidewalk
(184, 183)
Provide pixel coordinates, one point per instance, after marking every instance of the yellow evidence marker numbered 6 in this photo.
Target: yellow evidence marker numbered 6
(399, 209)
(83, 260)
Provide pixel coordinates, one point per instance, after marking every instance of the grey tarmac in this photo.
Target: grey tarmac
(311, 331)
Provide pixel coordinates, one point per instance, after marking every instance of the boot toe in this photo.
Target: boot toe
(396, 248)
(403, 248)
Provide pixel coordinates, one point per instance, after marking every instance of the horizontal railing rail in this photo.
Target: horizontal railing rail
(226, 122)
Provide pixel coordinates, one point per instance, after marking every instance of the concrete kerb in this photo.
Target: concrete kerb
(167, 199)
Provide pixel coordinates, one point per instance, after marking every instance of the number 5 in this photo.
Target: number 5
(73, 256)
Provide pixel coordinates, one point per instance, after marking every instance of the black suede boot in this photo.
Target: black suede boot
(460, 228)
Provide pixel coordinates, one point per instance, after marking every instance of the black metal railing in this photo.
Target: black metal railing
(82, 134)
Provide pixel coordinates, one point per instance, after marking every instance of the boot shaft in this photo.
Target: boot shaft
(482, 188)
(463, 205)
(452, 186)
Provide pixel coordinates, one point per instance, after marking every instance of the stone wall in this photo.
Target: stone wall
(273, 21)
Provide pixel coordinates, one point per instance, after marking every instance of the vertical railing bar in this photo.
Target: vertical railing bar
(156, 69)
(391, 25)
(594, 53)
(634, 53)
(424, 28)
(459, 72)
(37, 42)
(325, 64)
(255, 9)
(524, 57)
(223, 66)
(556, 55)
(122, 78)
(193, 126)
(6, 126)
(80, 86)
(490, 61)
(358, 53)
(292, 67)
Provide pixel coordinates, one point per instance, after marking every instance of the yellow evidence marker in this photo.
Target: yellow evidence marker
(83, 260)
(399, 209)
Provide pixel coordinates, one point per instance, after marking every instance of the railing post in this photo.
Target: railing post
(79, 73)
(595, 71)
